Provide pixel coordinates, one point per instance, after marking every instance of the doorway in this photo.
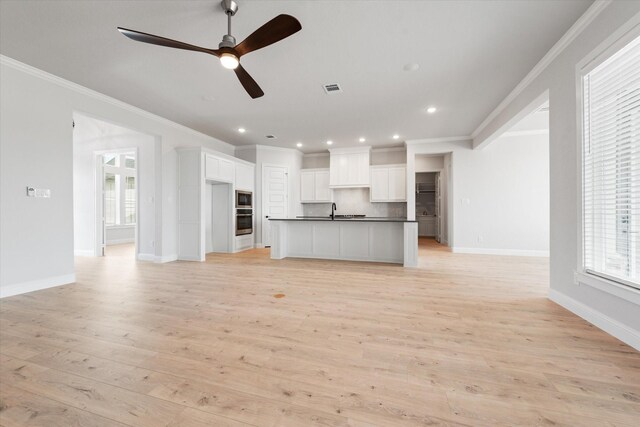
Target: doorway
(114, 184)
(117, 202)
(275, 197)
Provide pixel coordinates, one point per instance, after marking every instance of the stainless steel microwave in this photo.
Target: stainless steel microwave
(244, 199)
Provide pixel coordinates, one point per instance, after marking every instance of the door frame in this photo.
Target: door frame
(100, 224)
(263, 198)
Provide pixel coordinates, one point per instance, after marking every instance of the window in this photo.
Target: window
(110, 198)
(611, 167)
(119, 189)
(130, 200)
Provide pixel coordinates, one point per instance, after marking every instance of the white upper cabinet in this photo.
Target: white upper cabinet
(389, 183)
(349, 167)
(245, 177)
(314, 186)
(219, 169)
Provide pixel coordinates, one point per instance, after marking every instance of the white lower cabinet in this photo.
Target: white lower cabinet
(427, 226)
(389, 183)
(314, 186)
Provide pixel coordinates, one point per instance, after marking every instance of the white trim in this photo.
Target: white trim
(607, 324)
(443, 139)
(624, 292)
(583, 22)
(83, 252)
(166, 258)
(525, 132)
(506, 252)
(609, 47)
(36, 72)
(259, 246)
(281, 149)
(532, 107)
(146, 257)
(36, 285)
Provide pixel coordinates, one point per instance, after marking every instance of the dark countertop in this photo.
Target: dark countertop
(327, 218)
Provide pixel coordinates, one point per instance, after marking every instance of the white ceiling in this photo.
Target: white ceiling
(471, 55)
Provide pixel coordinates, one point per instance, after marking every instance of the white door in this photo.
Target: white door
(397, 184)
(275, 197)
(101, 226)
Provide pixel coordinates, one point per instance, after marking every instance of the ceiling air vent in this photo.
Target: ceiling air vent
(270, 137)
(332, 88)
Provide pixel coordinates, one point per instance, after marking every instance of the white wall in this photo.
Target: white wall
(604, 306)
(90, 136)
(499, 197)
(36, 111)
(379, 156)
(264, 155)
(429, 163)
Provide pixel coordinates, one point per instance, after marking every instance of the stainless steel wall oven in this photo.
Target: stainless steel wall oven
(244, 221)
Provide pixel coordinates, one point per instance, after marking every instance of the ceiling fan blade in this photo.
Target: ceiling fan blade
(280, 27)
(248, 83)
(163, 41)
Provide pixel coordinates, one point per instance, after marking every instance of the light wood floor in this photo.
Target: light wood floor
(464, 340)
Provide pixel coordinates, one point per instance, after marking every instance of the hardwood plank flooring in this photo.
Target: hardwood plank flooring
(463, 340)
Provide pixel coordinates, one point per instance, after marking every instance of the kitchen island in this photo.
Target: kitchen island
(392, 240)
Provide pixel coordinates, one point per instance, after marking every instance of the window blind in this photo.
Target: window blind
(611, 167)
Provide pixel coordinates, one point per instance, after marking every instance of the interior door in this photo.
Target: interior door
(275, 197)
(101, 225)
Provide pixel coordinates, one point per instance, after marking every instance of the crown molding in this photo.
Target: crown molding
(443, 139)
(269, 148)
(67, 84)
(578, 27)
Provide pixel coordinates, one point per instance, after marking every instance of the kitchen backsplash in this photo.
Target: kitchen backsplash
(355, 201)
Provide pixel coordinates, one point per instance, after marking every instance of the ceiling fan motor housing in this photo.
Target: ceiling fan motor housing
(230, 7)
(227, 41)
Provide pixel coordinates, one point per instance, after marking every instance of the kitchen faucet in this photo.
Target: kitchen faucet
(333, 211)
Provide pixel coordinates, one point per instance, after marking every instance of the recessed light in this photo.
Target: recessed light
(396, 136)
(431, 110)
(362, 140)
(411, 67)
(242, 130)
(329, 142)
(299, 144)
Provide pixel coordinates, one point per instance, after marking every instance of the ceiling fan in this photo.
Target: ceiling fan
(280, 27)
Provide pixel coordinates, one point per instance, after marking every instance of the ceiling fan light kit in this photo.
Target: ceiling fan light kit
(229, 53)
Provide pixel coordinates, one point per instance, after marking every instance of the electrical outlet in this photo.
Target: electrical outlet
(38, 192)
(480, 239)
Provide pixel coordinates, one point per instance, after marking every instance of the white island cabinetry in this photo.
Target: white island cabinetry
(383, 240)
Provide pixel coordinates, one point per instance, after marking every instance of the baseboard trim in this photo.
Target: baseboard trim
(166, 258)
(146, 257)
(612, 327)
(36, 285)
(259, 246)
(508, 252)
(79, 252)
